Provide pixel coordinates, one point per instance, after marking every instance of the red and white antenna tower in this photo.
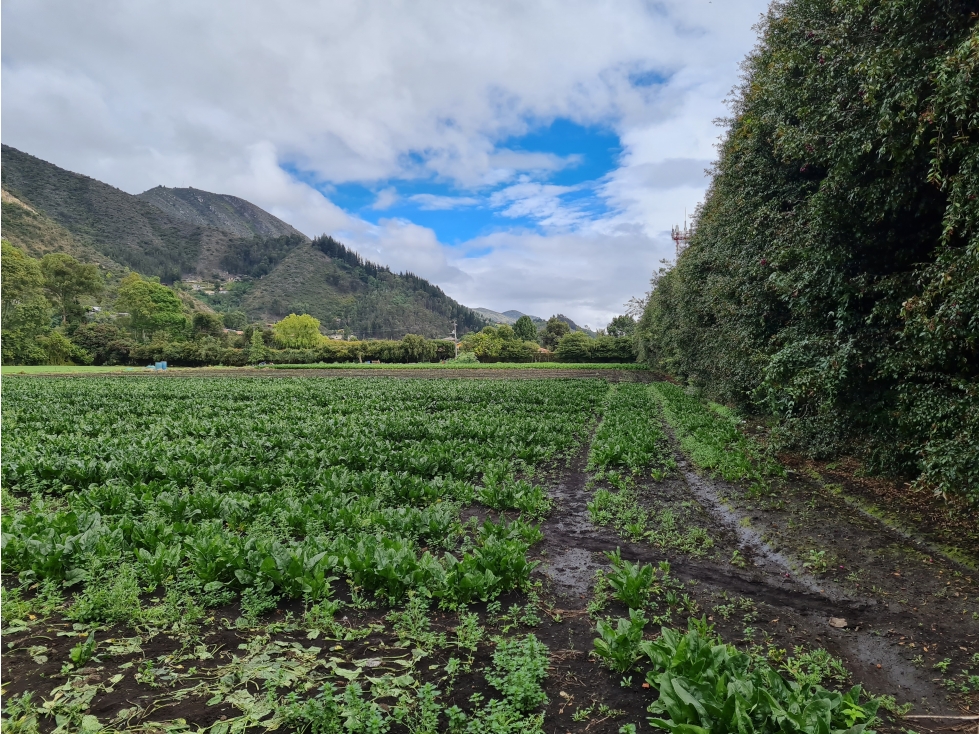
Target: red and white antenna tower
(683, 236)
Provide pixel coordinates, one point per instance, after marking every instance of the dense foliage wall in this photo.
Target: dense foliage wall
(833, 280)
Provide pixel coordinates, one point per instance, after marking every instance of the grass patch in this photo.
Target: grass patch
(62, 369)
(709, 435)
(461, 366)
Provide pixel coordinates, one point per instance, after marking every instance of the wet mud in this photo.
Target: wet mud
(805, 562)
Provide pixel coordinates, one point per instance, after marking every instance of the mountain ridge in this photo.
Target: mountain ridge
(178, 233)
(226, 212)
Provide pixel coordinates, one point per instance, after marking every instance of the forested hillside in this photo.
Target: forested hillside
(122, 227)
(176, 234)
(833, 279)
(332, 283)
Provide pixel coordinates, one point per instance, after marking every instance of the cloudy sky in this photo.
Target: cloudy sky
(528, 155)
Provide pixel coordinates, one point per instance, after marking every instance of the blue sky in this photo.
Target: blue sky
(579, 156)
(520, 155)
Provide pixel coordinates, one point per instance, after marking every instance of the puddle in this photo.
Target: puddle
(895, 672)
(574, 569)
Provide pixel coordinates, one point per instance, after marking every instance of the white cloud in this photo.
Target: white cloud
(386, 198)
(433, 202)
(220, 95)
(538, 201)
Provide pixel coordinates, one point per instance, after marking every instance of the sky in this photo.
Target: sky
(521, 155)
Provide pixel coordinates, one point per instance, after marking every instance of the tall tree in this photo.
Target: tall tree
(22, 281)
(298, 332)
(623, 325)
(65, 279)
(525, 329)
(152, 307)
(553, 330)
(833, 276)
(26, 313)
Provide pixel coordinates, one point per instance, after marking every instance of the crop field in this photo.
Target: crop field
(353, 554)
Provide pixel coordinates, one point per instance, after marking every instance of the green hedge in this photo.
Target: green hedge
(833, 279)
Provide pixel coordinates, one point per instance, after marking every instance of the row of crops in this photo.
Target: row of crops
(288, 485)
(282, 485)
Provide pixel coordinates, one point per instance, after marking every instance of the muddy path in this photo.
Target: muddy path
(795, 567)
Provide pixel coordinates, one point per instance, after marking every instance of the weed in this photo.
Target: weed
(519, 667)
(468, 632)
(111, 601)
(890, 704)
(943, 665)
(257, 601)
(318, 715)
(815, 667)
(362, 716)
(22, 714)
(413, 625)
(816, 561)
(420, 714)
(711, 436)
(599, 599)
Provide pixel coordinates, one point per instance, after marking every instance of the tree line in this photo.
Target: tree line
(49, 317)
(833, 277)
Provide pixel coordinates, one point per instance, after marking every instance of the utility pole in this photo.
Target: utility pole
(455, 338)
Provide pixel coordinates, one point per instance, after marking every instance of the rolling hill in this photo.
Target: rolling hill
(178, 234)
(510, 317)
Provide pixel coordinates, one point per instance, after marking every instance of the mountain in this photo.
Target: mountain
(333, 283)
(510, 317)
(516, 315)
(220, 211)
(506, 317)
(573, 326)
(495, 316)
(38, 234)
(188, 234)
(118, 225)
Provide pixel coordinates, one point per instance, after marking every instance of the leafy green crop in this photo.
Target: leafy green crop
(619, 646)
(633, 582)
(705, 685)
(278, 487)
(630, 435)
